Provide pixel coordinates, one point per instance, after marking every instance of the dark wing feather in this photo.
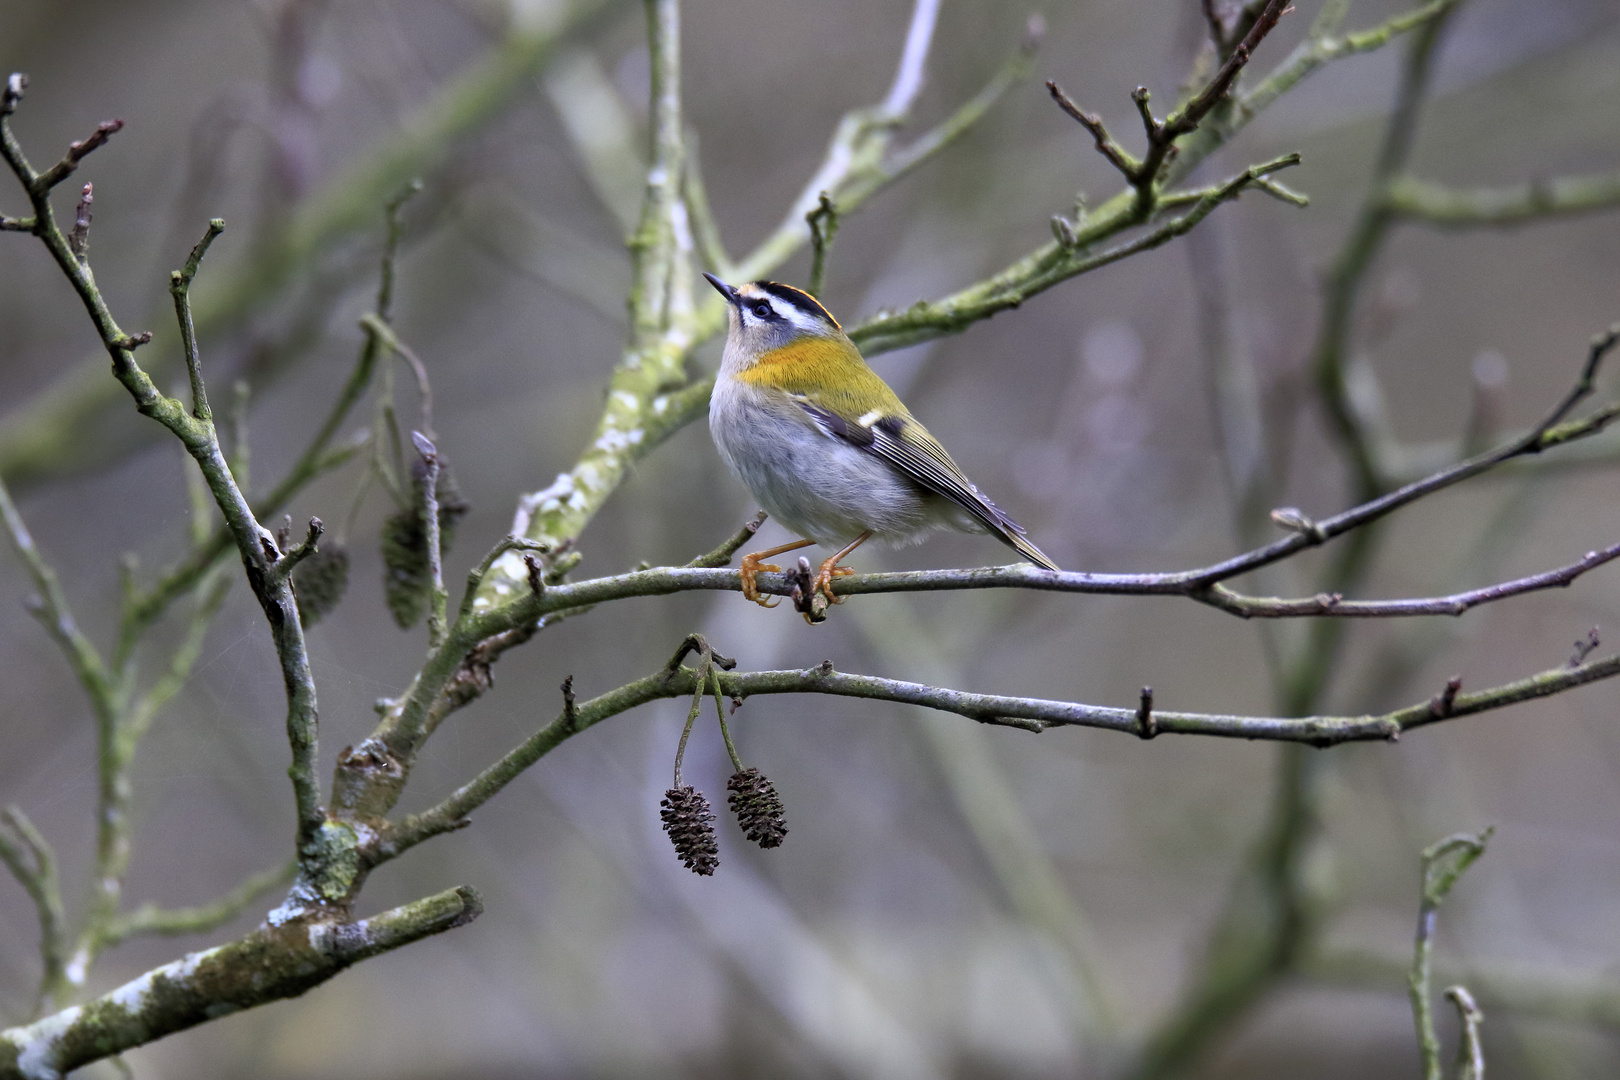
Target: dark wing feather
(907, 445)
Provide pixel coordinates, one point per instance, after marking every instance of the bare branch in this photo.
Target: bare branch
(306, 547)
(1470, 1051)
(1201, 584)
(52, 610)
(77, 152)
(438, 596)
(1044, 268)
(721, 555)
(823, 222)
(1116, 154)
(278, 960)
(31, 861)
(180, 288)
(1028, 714)
(1342, 287)
(318, 457)
(1144, 175)
(198, 434)
(149, 919)
(1437, 204)
(1443, 863)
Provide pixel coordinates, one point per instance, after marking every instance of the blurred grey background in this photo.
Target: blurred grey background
(880, 940)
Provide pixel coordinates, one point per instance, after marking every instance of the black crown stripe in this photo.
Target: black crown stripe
(800, 299)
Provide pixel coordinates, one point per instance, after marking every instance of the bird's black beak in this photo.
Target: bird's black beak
(723, 289)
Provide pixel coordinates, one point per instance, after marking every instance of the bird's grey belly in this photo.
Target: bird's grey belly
(813, 484)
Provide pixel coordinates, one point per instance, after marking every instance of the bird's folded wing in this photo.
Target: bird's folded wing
(907, 445)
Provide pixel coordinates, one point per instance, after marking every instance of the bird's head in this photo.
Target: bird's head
(766, 316)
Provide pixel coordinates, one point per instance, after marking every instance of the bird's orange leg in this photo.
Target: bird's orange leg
(830, 569)
(751, 567)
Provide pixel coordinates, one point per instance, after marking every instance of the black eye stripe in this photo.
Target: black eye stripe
(798, 299)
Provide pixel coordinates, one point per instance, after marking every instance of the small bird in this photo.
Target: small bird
(824, 444)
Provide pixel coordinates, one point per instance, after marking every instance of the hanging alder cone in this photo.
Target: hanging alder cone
(758, 807)
(691, 829)
(319, 582)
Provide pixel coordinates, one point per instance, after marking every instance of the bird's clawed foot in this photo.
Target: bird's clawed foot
(829, 570)
(750, 568)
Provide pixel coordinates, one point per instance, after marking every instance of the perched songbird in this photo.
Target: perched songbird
(824, 444)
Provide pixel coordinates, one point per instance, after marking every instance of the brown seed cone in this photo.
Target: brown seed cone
(758, 808)
(690, 826)
(320, 581)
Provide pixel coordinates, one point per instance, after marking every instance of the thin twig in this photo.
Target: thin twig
(149, 919)
(721, 555)
(180, 289)
(1443, 863)
(1470, 1050)
(439, 597)
(823, 222)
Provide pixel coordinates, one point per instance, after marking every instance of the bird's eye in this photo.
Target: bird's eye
(762, 310)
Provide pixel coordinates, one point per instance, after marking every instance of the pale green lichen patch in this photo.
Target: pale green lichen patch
(336, 851)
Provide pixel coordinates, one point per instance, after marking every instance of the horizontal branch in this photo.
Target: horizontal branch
(1201, 583)
(1198, 584)
(1030, 714)
(1459, 207)
(271, 963)
(1036, 714)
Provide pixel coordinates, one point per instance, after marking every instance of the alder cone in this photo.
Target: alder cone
(320, 581)
(758, 808)
(690, 827)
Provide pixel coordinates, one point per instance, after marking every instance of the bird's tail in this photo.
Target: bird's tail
(1016, 540)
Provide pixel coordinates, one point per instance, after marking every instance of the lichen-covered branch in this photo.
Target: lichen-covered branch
(31, 861)
(268, 964)
(1451, 207)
